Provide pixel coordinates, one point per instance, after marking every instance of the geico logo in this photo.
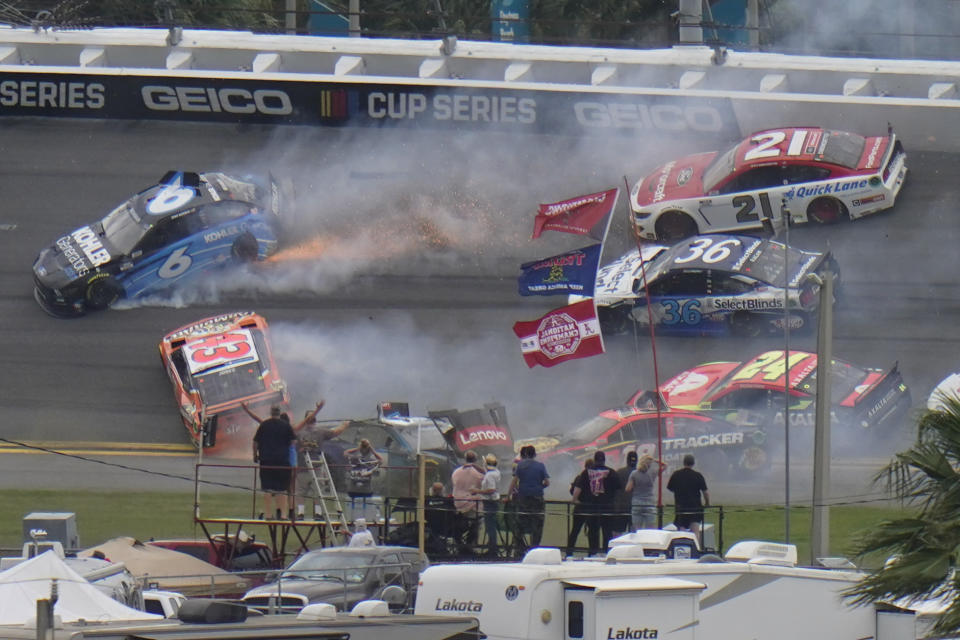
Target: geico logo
(271, 102)
(667, 117)
(62, 95)
(460, 108)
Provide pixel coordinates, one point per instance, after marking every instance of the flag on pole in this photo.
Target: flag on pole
(582, 215)
(572, 272)
(563, 334)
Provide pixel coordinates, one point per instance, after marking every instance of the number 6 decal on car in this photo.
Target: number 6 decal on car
(176, 264)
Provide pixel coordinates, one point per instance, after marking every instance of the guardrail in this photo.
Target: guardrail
(711, 95)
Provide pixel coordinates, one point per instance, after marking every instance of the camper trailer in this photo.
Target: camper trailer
(663, 589)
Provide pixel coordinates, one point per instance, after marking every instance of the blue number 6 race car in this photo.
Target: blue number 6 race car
(186, 224)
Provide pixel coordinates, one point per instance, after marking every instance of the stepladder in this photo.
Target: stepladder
(328, 502)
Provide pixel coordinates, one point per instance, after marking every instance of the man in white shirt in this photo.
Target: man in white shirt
(362, 537)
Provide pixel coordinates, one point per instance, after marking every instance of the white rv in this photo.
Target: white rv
(756, 592)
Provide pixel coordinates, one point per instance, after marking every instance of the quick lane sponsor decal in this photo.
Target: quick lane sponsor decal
(659, 193)
(272, 102)
(748, 304)
(833, 187)
(872, 157)
(451, 106)
(458, 605)
(665, 117)
(706, 440)
(58, 95)
(629, 633)
(88, 241)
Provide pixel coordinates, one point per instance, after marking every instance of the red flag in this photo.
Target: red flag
(563, 334)
(581, 215)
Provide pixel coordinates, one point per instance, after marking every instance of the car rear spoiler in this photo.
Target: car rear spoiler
(880, 401)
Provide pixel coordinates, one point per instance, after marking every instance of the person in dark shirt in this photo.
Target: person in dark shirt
(687, 486)
(595, 489)
(271, 450)
(530, 478)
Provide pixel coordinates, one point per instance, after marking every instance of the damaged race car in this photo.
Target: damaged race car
(721, 448)
(716, 284)
(443, 437)
(216, 365)
(820, 175)
(186, 224)
(753, 392)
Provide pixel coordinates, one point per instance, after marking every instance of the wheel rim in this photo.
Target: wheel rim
(825, 211)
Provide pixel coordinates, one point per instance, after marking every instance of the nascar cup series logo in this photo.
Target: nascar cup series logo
(558, 335)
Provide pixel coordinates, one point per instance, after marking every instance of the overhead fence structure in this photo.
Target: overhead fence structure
(711, 95)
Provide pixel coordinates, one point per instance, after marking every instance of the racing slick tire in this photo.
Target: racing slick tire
(754, 460)
(102, 291)
(827, 211)
(245, 248)
(673, 226)
(744, 324)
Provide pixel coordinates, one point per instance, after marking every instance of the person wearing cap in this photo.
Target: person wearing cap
(311, 438)
(271, 450)
(490, 492)
(362, 537)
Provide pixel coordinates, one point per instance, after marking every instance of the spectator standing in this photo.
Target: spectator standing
(490, 491)
(466, 481)
(596, 488)
(530, 478)
(271, 450)
(687, 485)
(311, 438)
(364, 464)
(641, 485)
(579, 516)
(362, 537)
(622, 501)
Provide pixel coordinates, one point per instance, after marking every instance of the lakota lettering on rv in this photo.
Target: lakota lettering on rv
(458, 605)
(629, 633)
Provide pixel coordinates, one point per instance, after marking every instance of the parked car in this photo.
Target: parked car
(248, 555)
(343, 576)
(214, 365)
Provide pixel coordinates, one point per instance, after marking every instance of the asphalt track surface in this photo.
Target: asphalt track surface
(402, 287)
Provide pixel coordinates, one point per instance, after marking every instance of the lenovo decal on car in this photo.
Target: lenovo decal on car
(471, 436)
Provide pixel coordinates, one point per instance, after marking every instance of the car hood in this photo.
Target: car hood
(689, 388)
(313, 590)
(873, 153)
(675, 180)
(72, 257)
(615, 280)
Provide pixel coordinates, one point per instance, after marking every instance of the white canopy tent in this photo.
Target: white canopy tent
(22, 585)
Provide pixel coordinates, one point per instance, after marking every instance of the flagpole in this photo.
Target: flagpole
(656, 374)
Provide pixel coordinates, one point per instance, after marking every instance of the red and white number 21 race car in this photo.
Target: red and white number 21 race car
(820, 175)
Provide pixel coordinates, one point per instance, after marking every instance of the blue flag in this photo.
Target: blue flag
(573, 272)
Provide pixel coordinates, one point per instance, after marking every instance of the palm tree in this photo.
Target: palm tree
(924, 549)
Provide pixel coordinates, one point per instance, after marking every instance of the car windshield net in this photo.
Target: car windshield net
(122, 228)
(720, 168)
(591, 429)
(348, 568)
(842, 148)
(768, 264)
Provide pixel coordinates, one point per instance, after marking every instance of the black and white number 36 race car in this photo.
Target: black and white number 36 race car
(186, 224)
